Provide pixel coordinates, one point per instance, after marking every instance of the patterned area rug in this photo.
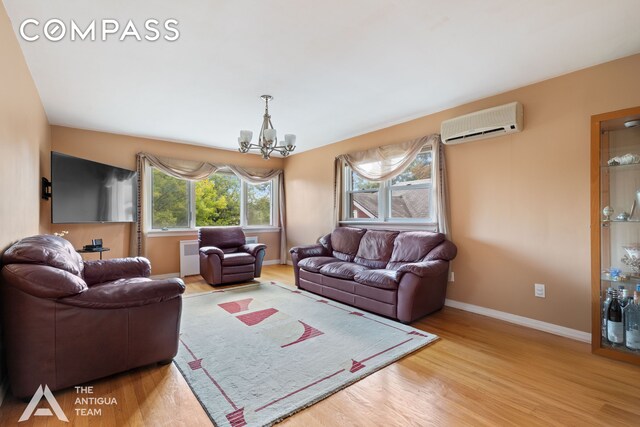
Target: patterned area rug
(256, 354)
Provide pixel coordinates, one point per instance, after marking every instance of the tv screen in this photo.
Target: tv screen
(86, 191)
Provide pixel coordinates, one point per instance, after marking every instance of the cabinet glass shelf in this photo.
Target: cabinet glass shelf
(621, 167)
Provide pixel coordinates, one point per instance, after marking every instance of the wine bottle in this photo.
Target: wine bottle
(631, 315)
(606, 300)
(625, 298)
(615, 329)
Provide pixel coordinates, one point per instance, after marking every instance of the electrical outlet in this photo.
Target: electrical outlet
(452, 278)
(538, 290)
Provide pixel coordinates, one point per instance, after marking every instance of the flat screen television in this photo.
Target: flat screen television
(84, 191)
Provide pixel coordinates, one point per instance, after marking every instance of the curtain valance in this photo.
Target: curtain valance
(194, 170)
(386, 162)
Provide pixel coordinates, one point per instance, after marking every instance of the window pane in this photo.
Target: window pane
(170, 204)
(358, 183)
(417, 172)
(411, 203)
(259, 204)
(218, 200)
(363, 205)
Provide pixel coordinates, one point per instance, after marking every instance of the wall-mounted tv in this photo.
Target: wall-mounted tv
(85, 191)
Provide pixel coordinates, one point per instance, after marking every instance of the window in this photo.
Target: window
(405, 198)
(223, 199)
(218, 200)
(171, 201)
(258, 203)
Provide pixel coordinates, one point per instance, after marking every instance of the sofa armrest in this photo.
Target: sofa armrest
(212, 250)
(113, 269)
(42, 281)
(133, 292)
(253, 248)
(445, 251)
(302, 252)
(425, 268)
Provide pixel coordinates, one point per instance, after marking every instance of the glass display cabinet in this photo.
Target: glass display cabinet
(615, 234)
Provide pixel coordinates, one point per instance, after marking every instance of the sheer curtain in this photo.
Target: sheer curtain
(197, 171)
(387, 162)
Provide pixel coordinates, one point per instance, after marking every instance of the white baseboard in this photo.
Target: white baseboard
(165, 276)
(272, 262)
(289, 262)
(574, 334)
(4, 387)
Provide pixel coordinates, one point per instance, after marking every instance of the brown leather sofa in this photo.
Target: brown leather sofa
(225, 256)
(66, 322)
(402, 275)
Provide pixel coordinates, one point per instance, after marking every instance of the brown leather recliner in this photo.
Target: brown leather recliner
(225, 256)
(67, 322)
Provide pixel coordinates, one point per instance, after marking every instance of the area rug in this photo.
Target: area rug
(256, 354)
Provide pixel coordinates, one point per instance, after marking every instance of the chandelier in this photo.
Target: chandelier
(267, 140)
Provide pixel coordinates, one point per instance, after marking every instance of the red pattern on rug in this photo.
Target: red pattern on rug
(299, 390)
(233, 307)
(236, 418)
(357, 365)
(251, 319)
(309, 332)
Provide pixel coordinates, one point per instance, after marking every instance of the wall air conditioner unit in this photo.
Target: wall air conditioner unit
(483, 124)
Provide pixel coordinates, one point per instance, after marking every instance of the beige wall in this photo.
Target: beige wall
(24, 144)
(519, 203)
(120, 150)
(24, 148)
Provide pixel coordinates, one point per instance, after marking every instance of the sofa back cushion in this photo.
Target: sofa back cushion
(413, 246)
(226, 238)
(375, 248)
(345, 242)
(48, 250)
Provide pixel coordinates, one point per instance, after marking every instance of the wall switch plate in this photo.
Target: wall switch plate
(539, 290)
(452, 278)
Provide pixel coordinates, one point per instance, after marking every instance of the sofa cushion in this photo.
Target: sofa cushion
(128, 292)
(413, 246)
(345, 242)
(342, 270)
(238, 258)
(383, 279)
(375, 248)
(48, 250)
(221, 237)
(315, 263)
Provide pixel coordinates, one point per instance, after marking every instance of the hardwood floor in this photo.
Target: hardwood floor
(481, 372)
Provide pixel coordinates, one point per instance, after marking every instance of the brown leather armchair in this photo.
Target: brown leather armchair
(225, 256)
(67, 322)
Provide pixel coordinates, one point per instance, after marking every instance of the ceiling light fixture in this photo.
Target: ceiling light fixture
(267, 140)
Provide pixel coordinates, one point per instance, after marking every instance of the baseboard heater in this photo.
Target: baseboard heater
(189, 258)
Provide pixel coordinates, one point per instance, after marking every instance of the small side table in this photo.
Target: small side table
(91, 251)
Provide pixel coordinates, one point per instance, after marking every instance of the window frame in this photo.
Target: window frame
(148, 211)
(384, 201)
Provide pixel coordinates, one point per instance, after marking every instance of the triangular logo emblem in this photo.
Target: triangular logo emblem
(43, 412)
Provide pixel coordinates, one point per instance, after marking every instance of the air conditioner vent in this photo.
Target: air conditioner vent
(483, 124)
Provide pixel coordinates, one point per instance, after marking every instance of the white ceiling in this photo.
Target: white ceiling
(337, 68)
